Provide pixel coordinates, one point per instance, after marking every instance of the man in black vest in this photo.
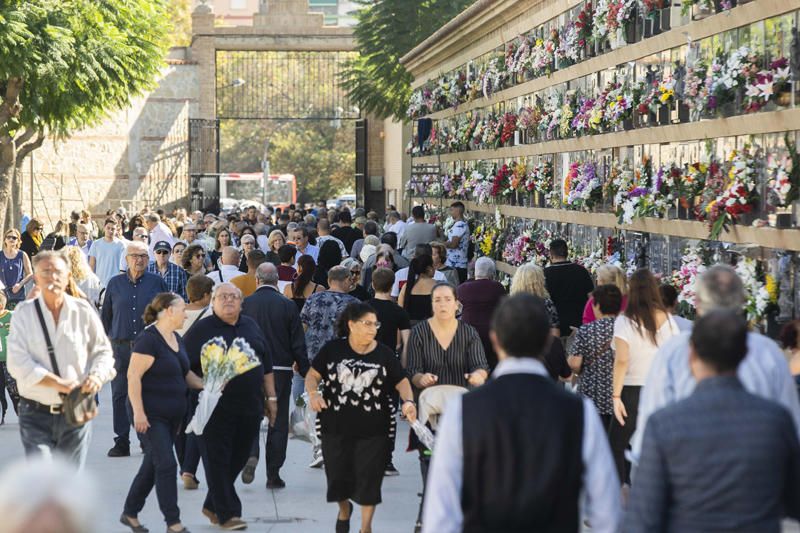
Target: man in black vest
(525, 449)
(279, 320)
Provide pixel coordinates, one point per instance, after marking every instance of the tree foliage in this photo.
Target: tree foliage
(319, 153)
(180, 16)
(65, 64)
(385, 32)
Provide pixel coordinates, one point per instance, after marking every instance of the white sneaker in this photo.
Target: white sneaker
(317, 461)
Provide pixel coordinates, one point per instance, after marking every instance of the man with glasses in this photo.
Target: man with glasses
(82, 239)
(105, 254)
(81, 350)
(138, 235)
(229, 434)
(300, 236)
(126, 297)
(174, 276)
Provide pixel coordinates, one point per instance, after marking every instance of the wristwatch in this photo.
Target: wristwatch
(412, 402)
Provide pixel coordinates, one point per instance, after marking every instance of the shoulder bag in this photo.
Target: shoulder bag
(77, 406)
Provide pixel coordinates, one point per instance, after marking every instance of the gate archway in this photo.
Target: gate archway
(274, 86)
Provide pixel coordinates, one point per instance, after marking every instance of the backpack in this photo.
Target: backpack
(48, 243)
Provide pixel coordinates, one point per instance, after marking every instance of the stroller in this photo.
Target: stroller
(431, 407)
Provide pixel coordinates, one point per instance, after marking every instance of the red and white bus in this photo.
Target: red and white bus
(278, 190)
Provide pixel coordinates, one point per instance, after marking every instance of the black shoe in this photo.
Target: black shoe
(119, 451)
(343, 526)
(276, 483)
(390, 470)
(249, 471)
(126, 521)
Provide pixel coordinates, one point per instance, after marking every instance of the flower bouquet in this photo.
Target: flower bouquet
(758, 297)
(582, 186)
(765, 86)
(220, 364)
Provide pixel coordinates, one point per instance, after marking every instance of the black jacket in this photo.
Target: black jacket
(279, 320)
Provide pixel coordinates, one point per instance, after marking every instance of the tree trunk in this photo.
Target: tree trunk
(8, 156)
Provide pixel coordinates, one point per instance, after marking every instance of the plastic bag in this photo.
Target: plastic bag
(303, 421)
(423, 434)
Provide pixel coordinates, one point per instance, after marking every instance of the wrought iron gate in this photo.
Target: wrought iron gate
(361, 162)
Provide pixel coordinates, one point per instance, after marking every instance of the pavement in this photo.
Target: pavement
(300, 507)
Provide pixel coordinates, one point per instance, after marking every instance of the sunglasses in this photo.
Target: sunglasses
(201, 255)
(162, 252)
(11, 238)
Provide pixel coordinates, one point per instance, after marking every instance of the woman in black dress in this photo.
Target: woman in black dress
(357, 375)
(302, 287)
(158, 376)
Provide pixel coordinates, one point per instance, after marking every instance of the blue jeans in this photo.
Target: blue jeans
(38, 429)
(159, 468)
(119, 393)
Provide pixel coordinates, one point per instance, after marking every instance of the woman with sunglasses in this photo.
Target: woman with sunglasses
(15, 268)
(177, 253)
(356, 289)
(31, 239)
(193, 260)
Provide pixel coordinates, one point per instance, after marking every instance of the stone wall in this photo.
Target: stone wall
(136, 157)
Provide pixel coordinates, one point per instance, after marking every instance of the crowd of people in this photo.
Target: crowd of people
(575, 398)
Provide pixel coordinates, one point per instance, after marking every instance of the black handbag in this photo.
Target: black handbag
(77, 406)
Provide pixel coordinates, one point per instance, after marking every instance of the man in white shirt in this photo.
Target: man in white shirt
(158, 231)
(81, 350)
(189, 235)
(228, 268)
(401, 276)
(395, 224)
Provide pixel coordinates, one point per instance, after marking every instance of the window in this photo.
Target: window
(238, 4)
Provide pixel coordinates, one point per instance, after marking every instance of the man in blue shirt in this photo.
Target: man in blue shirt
(174, 276)
(763, 372)
(126, 297)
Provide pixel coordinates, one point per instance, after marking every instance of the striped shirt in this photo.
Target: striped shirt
(464, 355)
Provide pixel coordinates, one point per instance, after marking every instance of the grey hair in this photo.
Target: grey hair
(267, 274)
(338, 274)
(291, 226)
(719, 287)
(47, 255)
(153, 217)
(310, 219)
(373, 240)
(138, 245)
(226, 284)
(349, 263)
(485, 268)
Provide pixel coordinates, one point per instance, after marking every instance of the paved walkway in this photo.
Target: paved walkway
(300, 507)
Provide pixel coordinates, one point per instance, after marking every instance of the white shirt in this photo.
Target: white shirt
(398, 227)
(641, 350)
(225, 273)
(80, 343)
(401, 277)
(442, 512)
(160, 232)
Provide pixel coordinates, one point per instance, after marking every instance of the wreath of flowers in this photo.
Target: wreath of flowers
(758, 297)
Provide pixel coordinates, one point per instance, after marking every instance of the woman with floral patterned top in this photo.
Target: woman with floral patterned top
(591, 355)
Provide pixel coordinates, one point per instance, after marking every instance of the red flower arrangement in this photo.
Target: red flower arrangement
(509, 126)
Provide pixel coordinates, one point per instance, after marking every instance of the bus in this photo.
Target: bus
(278, 190)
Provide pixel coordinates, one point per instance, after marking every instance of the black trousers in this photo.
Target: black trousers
(277, 435)
(462, 274)
(7, 383)
(620, 436)
(119, 392)
(225, 446)
(158, 470)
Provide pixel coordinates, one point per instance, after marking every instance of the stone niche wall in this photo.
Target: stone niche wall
(136, 157)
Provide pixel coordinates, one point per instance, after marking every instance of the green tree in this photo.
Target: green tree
(385, 32)
(180, 14)
(65, 64)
